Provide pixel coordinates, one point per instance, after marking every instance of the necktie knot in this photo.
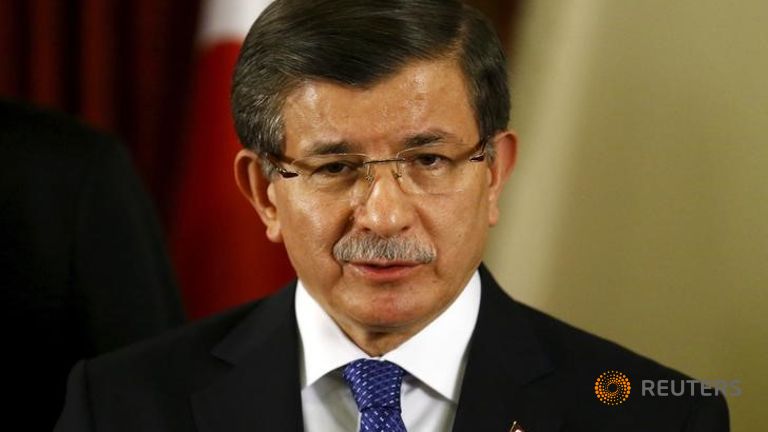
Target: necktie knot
(375, 387)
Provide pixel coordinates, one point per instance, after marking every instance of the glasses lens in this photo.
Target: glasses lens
(434, 169)
(331, 173)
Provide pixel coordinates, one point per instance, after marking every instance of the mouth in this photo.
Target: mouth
(384, 271)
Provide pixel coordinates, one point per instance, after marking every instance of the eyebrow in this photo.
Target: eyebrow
(330, 147)
(429, 137)
(319, 148)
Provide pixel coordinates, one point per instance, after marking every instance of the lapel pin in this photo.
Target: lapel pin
(516, 427)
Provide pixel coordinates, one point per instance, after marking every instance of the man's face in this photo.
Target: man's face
(379, 295)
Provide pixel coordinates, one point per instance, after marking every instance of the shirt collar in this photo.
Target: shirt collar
(436, 355)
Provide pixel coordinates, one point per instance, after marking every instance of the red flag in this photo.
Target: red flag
(218, 242)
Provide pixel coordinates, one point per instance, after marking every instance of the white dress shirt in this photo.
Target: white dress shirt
(434, 360)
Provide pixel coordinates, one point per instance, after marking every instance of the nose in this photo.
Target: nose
(385, 210)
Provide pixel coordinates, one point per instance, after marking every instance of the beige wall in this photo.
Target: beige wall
(639, 208)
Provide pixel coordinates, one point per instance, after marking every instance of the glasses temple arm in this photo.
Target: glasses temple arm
(272, 159)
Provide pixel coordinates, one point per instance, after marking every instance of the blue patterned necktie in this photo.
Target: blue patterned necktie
(375, 386)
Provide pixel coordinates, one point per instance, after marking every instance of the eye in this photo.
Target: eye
(333, 168)
(430, 160)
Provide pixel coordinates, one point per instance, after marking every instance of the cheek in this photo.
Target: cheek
(460, 221)
(309, 231)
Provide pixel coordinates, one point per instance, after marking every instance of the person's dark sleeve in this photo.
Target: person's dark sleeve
(76, 416)
(121, 270)
(709, 415)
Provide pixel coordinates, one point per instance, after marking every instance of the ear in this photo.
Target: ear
(259, 191)
(505, 146)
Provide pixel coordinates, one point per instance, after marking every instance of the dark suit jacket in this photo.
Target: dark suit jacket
(83, 268)
(238, 372)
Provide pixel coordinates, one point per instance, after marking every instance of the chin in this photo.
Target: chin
(388, 318)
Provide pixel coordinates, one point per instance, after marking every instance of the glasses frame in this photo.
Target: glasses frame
(478, 154)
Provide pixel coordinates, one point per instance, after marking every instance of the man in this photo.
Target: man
(376, 150)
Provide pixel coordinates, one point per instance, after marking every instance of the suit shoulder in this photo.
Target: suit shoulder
(179, 358)
(575, 346)
(203, 334)
(584, 360)
(148, 385)
(573, 368)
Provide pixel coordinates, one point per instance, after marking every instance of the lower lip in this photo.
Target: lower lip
(384, 274)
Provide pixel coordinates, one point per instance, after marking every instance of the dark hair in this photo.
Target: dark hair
(358, 43)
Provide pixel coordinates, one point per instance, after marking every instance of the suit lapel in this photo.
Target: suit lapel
(260, 390)
(504, 359)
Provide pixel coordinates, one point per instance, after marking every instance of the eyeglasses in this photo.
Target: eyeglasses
(435, 168)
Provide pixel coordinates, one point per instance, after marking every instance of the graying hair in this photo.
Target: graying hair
(358, 43)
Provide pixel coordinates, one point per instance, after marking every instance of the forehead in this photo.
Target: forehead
(423, 97)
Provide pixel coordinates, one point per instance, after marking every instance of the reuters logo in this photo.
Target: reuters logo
(612, 387)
